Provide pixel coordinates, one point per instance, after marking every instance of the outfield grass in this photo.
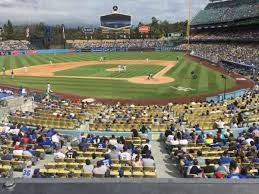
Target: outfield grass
(30, 60)
(100, 70)
(208, 80)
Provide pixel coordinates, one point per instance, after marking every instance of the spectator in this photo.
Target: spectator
(88, 167)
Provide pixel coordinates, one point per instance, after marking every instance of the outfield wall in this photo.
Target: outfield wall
(44, 51)
(227, 96)
(133, 186)
(73, 50)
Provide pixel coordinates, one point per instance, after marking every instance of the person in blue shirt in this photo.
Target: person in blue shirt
(172, 127)
(101, 145)
(107, 161)
(6, 155)
(33, 136)
(256, 160)
(225, 159)
(233, 176)
(188, 161)
(50, 133)
(200, 139)
(197, 127)
(89, 140)
(45, 142)
(257, 143)
(25, 129)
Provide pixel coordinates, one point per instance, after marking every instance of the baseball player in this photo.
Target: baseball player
(12, 74)
(49, 89)
(3, 70)
(147, 60)
(124, 68)
(119, 67)
(25, 69)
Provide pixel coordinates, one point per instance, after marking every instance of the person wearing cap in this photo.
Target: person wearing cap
(28, 172)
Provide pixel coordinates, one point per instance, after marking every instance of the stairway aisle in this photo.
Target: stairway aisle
(164, 165)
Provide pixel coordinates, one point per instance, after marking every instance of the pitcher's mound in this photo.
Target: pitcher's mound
(113, 70)
(156, 80)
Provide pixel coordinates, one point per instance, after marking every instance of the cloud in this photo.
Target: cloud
(82, 12)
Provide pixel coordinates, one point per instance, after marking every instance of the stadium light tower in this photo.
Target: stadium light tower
(189, 21)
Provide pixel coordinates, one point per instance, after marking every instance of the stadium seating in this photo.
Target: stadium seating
(226, 11)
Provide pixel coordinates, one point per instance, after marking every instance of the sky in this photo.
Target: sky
(88, 12)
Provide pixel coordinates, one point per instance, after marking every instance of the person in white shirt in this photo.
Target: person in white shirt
(88, 167)
(23, 92)
(28, 171)
(220, 124)
(174, 142)
(125, 155)
(183, 142)
(49, 89)
(14, 131)
(27, 153)
(59, 155)
(113, 140)
(249, 140)
(100, 168)
(55, 138)
(18, 152)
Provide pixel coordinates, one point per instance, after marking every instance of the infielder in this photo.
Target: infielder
(124, 68)
(3, 70)
(119, 67)
(25, 69)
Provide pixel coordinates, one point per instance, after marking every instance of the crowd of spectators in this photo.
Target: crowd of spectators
(219, 156)
(26, 146)
(243, 54)
(120, 43)
(226, 11)
(23, 144)
(10, 45)
(218, 35)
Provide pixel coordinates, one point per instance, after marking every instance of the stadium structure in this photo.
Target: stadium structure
(134, 115)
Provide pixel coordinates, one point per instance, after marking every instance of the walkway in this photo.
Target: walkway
(164, 165)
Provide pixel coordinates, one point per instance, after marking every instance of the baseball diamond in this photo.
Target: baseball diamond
(84, 74)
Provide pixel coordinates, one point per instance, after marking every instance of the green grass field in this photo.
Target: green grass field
(101, 71)
(208, 80)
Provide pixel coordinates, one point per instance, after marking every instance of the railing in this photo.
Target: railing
(131, 186)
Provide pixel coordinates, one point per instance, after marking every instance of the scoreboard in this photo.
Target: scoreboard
(116, 21)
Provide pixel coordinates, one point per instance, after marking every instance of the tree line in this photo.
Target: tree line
(158, 29)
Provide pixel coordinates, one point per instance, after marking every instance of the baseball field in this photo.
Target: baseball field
(119, 76)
